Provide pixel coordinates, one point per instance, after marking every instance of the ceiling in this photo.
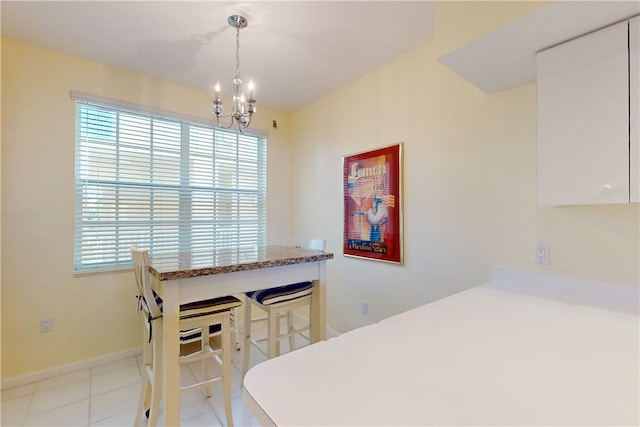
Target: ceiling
(507, 57)
(295, 51)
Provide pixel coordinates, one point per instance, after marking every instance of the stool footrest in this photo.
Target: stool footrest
(203, 384)
(205, 353)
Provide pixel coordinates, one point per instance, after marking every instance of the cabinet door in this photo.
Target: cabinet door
(583, 119)
(634, 77)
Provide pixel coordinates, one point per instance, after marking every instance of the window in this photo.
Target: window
(163, 183)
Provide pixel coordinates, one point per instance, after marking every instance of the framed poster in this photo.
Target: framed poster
(372, 183)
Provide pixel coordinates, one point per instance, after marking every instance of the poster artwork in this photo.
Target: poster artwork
(372, 205)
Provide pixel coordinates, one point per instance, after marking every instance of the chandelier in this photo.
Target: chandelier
(243, 107)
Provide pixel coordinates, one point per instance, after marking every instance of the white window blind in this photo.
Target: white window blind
(163, 183)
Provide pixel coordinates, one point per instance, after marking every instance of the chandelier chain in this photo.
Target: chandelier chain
(237, 53)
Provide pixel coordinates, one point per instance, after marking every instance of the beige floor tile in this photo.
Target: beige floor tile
(75, 414)
(123, 419)
(63, 379)
(114, 380)
(60, 396)
(241, 415)
(204, 418)
(114, 366)
(110, 404)
(15, 411)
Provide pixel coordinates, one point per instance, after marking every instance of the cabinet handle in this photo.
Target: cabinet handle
(606, 191)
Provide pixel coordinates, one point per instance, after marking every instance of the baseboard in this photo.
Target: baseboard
(45, 374)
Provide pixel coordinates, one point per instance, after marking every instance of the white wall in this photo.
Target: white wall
(469, 181)
(92, 315)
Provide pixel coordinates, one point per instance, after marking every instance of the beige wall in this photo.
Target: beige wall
(92, 314)
(469, 181)
(469, 204)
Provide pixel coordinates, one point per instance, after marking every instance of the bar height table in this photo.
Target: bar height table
(186, 277)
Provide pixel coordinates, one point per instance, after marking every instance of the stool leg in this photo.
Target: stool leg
(206, 365)
(145, 391)
(272, 331)
(157, 367)
(226, 367)
(247, 336)
(290, 327)
(312, 324)
(144, 397)
(234, 329)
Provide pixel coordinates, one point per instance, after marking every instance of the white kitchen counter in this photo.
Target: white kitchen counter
(522, 349)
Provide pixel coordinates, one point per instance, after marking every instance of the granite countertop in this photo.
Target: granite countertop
(194, 264)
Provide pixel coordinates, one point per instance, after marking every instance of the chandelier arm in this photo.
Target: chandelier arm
(249, 122)
(221, 125)
(229, 114)
(242, 126)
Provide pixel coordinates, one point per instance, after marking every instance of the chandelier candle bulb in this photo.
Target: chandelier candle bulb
(217, 89)
(251, 87)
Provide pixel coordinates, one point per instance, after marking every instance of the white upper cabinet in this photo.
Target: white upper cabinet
(584, 148)
(634, 83)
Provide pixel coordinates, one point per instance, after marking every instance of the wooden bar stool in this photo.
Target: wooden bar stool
(277, 303)
(195, 318)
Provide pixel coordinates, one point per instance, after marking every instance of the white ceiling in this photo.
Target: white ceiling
(295, 51)
(507, 57)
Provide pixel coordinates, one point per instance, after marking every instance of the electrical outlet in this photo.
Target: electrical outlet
(46, 324)
(541, 254)
(363, 307)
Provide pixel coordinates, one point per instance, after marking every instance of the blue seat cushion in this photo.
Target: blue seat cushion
(194, 309)
(281, 293)
(201, 308)
(209, 306)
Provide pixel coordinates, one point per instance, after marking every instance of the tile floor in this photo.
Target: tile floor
(107, 395)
